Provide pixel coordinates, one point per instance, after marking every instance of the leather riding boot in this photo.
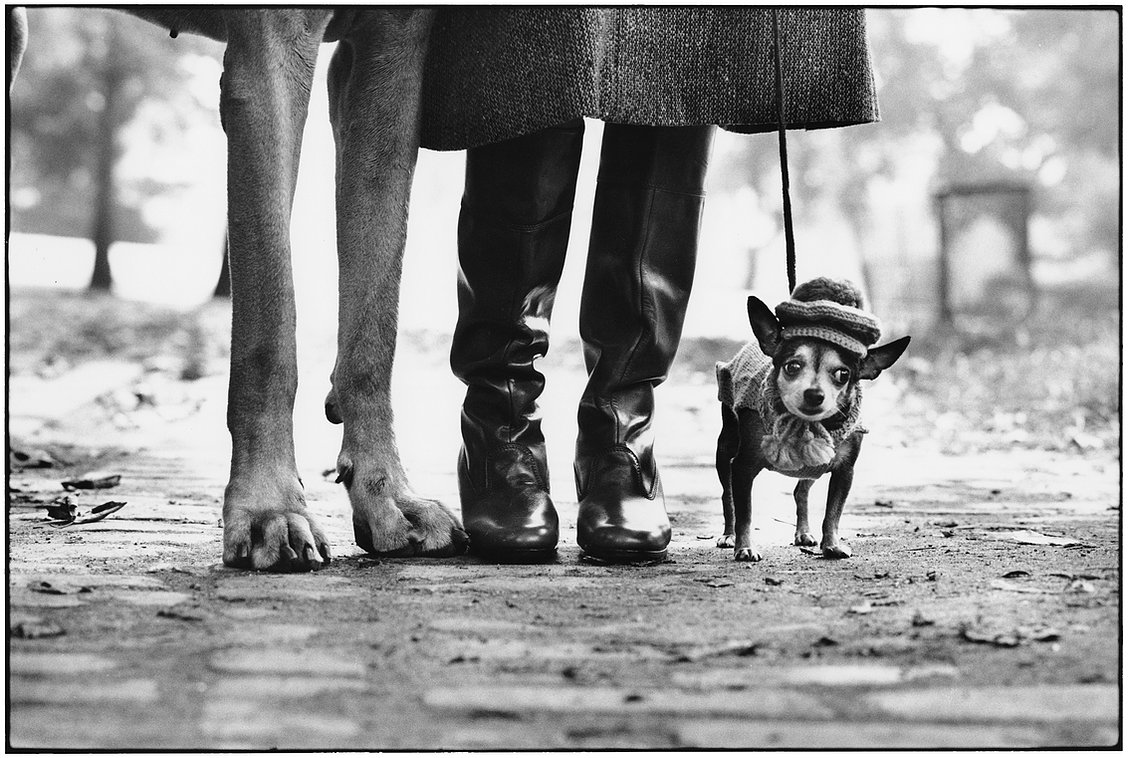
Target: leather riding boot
(640, 266)
(512, 240)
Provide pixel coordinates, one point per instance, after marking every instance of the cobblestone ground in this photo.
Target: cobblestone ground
(980, 609)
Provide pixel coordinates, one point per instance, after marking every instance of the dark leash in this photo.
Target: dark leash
(781, 105)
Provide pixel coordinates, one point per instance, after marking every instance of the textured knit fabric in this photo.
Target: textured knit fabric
(850, 328)
(746, 382)
(740, 380)
(496, 72)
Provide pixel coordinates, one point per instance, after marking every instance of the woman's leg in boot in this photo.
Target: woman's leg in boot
(640, 269)
(512, 239)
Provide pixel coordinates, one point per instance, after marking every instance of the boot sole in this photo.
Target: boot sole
(632, 557)
(547, 555)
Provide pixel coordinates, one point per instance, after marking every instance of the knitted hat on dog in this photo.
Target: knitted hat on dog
(830, 310)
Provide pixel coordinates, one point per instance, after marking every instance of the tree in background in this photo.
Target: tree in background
(971, 95)
(1024, 95)
(88, 75)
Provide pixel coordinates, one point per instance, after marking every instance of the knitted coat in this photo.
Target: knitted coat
(744, 383)
(496, 72)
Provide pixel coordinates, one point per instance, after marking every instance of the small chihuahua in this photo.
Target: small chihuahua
(790, 403)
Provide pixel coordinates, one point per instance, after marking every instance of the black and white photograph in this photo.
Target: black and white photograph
(564, 378)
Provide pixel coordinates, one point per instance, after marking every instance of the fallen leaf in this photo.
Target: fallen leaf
(97, 513)
(825, 641)
(464, 659)
(24, 459)
(1084, 441)
(883, 503)
(740, 648)
(172, 613)
(62, 508)
(46, 588)
(1016, 573)
(1027, 537)
(715, 583)
(95, 480)
(771, 580)
(1012, 638)
(18, 459)
(704, 536)
(1045, 635)
(36, 630)
(990, 638)
(1080, 585)
(1003, 584)
(919, 619)
(861, 610)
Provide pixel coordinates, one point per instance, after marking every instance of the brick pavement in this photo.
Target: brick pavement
(128, 634)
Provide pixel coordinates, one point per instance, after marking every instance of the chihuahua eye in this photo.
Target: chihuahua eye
(840, 376)
(792, 368)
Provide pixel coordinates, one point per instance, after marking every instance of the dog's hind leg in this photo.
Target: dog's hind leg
(268, 67)
(803, 534)
(745, 466)
(374, 98)
(728, 444)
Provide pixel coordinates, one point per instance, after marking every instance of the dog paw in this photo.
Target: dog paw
(747, 554)
(391, 523)
(332, 410)
(805, 539)
(728, 540)
(276, 536)
(836, 550)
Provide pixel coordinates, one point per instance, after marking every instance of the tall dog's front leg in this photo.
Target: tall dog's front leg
(374, 89)
(268, 67)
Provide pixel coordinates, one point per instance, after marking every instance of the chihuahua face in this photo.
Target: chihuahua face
(815, 379)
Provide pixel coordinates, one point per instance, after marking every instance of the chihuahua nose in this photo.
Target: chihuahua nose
(813, 397)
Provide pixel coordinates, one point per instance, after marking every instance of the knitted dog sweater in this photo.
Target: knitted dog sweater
(791, 446)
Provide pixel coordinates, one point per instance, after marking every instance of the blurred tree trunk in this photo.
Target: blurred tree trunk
(103, 230)
(223, 286)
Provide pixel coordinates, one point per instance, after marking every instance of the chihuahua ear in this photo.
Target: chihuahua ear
(764, 325)
(881, 358)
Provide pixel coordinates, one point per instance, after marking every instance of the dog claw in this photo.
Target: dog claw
(345, 475)
(332, 413)
(747, 554)
(728, 540)
(281, 538)
(805, 539)
(406, 527)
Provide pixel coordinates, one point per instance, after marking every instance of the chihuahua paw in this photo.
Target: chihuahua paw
(805, 539)
(836, 550)
(727, 540)
(748, 554)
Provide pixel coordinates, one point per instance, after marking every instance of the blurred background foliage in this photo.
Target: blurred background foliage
(100, 108)
(115, 138)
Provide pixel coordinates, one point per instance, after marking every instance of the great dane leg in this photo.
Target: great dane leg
(374, 90)
(268, 68)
